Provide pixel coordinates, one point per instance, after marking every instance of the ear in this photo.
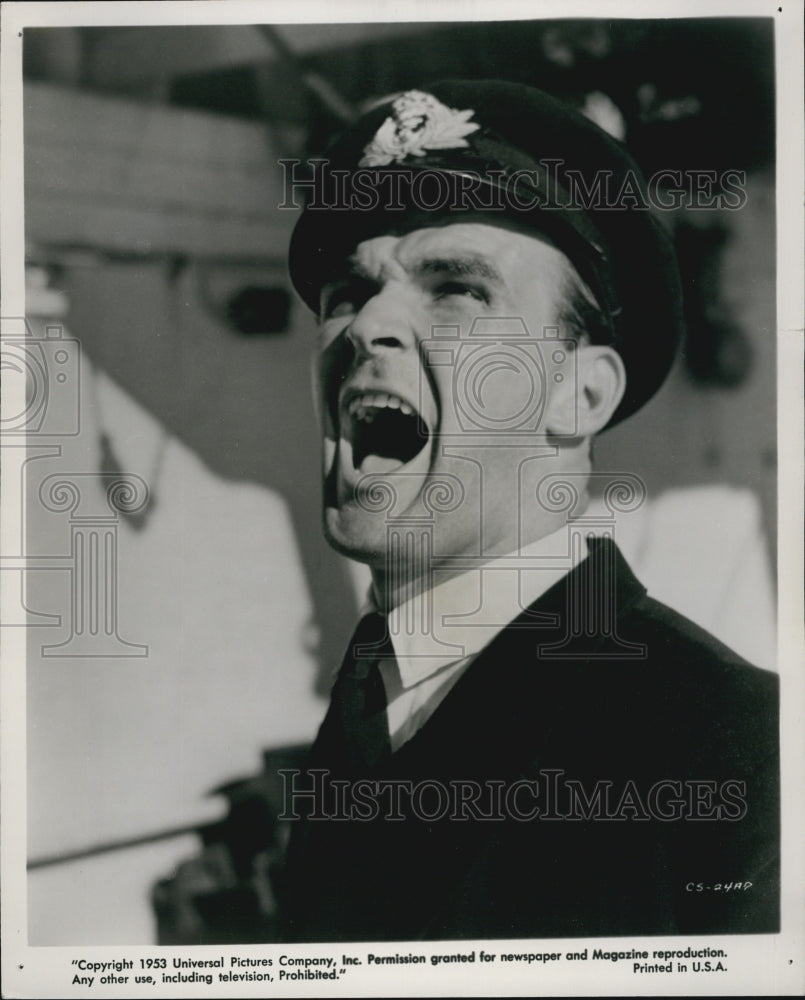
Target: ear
(586, 396)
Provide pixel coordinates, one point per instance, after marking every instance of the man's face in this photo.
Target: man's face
(395, 419)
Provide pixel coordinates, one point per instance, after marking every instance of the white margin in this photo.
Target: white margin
(764, 960)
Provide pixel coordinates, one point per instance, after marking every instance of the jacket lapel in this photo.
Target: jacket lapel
(504, 708)
(518, 707)
(515, 711)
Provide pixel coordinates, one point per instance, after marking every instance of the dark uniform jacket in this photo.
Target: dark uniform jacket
(627, 779)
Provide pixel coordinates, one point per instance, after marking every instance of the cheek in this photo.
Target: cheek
(436, 383)
(331, 354)
(328, 332)
(561, 363)
(443, 349)
(316, 388)
(318, 378)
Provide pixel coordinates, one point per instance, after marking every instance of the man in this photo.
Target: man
(520, 742)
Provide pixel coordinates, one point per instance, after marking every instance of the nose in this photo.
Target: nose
(383, 324)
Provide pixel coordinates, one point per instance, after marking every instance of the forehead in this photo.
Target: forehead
(500, 253)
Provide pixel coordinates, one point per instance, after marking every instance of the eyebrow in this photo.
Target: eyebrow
(462, 267)
(354, 268)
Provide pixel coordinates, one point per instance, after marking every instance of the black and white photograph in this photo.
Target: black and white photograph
(402, 518)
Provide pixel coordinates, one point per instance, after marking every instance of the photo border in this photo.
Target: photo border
(758, 964)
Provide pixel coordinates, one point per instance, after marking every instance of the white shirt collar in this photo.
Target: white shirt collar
(457, 617)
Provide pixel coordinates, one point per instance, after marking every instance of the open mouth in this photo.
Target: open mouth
(384, 431)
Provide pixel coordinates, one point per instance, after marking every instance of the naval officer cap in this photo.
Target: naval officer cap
(511, 152)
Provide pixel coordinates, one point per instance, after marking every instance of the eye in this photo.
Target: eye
(344, 298)
(344, 307)
(336, 302)
(460, 289)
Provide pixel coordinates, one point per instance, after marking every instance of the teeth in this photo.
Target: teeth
(366, 405)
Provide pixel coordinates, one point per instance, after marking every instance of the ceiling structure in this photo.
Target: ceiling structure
(721, 106)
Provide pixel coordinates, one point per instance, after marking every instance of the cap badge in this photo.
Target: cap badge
(418, 123)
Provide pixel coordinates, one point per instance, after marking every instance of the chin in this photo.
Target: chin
(357, 534)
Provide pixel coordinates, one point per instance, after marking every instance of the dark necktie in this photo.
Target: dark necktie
(355, 731)
(324, 857)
